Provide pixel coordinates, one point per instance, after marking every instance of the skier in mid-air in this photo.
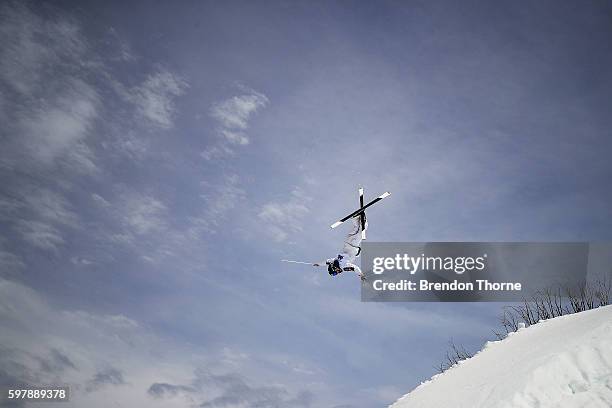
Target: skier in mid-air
(345, 261)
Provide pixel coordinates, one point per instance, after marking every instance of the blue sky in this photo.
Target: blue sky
(159, 159)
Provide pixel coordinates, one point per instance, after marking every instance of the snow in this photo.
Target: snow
(561, 362)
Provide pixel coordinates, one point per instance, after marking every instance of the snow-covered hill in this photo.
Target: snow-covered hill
(561, 362)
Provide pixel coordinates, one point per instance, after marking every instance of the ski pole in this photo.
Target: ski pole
(298, 262)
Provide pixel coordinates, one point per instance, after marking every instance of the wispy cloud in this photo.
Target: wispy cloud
(93, 352)
(217, 152)
(234, 113)
(59, 118)
(70, 351)
(148, 228)
(32, 45)
(142, 214)
(283, 218)
(50, 206)
(39, 234)
(236, 392)
(165, 390)
(76, 260)
(98, 199)
(154, 98)
(140, 223)
(53, 110)
(235, 137)
(38, 215)
(232, 116)
(218, 200)
(104, 378)
(232, 390)
(10, 263)
(122, 50)
(57, 362)
(56, 127)
(48, 124)
(129, 144)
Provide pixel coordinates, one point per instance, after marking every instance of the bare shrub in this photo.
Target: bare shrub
(545, 304)
(454, 355)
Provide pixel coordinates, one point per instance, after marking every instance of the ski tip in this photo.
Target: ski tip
(385, 194)
(360, 190)
(335, 224)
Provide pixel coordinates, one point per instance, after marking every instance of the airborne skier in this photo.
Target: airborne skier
(345, 261)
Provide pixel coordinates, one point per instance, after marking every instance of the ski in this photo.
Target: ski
(362, 209)
(362, 215)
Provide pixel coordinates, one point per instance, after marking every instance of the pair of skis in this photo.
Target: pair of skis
(361, 211)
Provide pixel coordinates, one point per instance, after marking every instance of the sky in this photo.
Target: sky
(158, 159)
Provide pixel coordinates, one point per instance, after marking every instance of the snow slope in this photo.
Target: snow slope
(561, 362)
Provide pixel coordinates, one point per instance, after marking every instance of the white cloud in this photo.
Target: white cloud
(217, 152)
(32, 45)
(142, 214)
(9, 206)
(234, 113)
(100, 200)
(284, 218)
(55, 128)
(111, 322)
(219, 200)
(82, 159)
(129, 144)
(233, 117)
(37, 215)
(136, 222)
(52, 109)
(9, 260)
(87, 344)
(122, 50)
(234, 137)
(114, 360)
(80, 261)
(154, 99)
(40, 234)
(49, 206)
(144, 225)
(57, 98)
(57, 91)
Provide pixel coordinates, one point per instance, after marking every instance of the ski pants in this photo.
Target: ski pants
(352, 243)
